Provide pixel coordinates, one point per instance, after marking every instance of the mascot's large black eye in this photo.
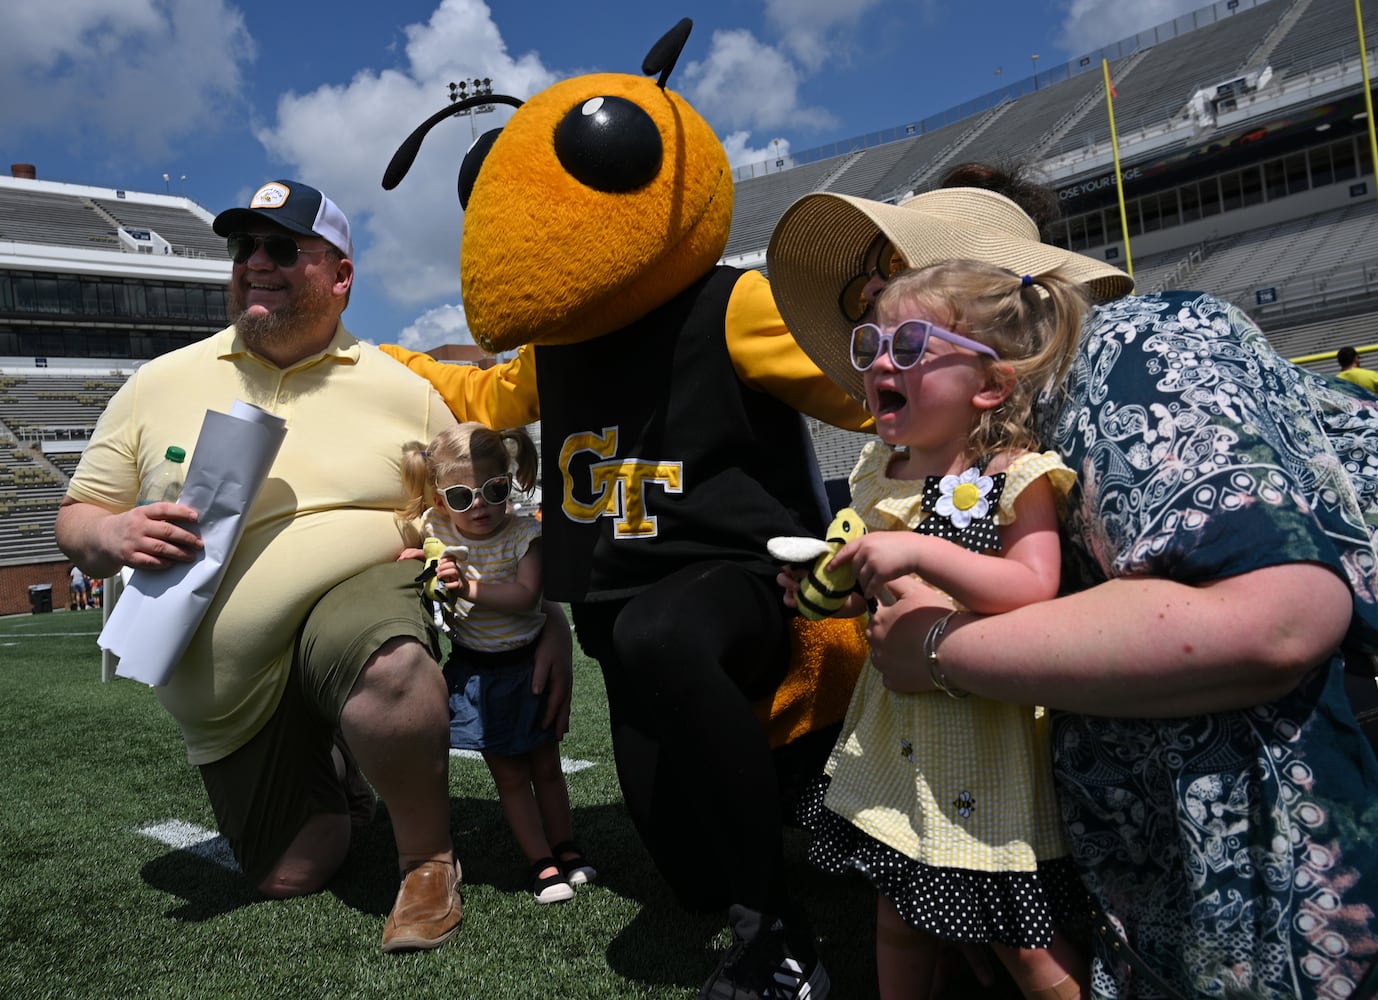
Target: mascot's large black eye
(609, 144)
(473, 161)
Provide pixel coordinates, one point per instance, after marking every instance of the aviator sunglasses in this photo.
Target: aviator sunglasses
(906, 344)
(282, 250)
(853, 300)
(460, 498)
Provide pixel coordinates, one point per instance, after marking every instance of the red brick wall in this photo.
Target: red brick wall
(16, 580)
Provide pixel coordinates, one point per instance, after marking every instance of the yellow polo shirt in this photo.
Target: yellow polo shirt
(324, 514)
(1361, 377)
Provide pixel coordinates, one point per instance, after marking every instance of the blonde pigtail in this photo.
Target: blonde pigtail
(525, 459)
(416, 481)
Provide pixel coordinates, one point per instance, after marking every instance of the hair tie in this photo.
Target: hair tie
(1026, 281)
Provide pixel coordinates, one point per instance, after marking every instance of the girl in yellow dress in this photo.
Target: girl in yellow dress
(944, 801)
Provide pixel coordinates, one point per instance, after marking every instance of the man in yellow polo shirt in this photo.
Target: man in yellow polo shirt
(315, 659)
(1350, 370)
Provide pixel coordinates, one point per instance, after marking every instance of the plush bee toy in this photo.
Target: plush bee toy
(822, 591)
(673, 449)
(442, 598)
(434, 590)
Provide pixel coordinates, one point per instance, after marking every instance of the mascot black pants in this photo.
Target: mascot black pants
(683, 661)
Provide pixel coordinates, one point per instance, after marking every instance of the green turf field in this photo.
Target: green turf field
(112, 883)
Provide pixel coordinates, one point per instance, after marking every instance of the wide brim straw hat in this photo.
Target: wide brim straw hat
(820, 244)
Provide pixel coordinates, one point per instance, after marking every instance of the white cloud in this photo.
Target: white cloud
(1090, 24)
(740, 152)
(134, 73)
(817, 32)
(436, 327)
(342, 138)
(745, 83)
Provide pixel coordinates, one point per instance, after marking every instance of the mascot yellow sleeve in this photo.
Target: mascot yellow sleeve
(769, 359)
(501, 397)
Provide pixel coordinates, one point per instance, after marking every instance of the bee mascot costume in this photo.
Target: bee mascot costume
(669, 394)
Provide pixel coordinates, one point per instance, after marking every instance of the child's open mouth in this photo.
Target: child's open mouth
(888, 401)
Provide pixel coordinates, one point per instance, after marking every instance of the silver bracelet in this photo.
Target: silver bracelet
(930, 655)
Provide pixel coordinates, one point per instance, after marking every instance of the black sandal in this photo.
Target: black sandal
(551, 888)
(576, 867)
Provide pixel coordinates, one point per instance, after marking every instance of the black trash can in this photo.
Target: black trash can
(40, 598)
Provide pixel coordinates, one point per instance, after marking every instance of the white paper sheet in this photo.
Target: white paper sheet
(160, 609)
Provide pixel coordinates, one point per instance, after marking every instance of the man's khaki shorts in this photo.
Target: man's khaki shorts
(265, 791)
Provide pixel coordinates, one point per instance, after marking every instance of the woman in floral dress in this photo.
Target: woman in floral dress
(1218, 796)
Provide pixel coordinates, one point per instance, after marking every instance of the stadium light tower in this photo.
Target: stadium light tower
(167, 183)
(1034, 59)
(472, 88)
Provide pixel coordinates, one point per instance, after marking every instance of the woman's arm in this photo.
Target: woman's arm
(554, 671)
(1135, 647)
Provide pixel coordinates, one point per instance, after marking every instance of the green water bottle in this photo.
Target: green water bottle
(164, 480)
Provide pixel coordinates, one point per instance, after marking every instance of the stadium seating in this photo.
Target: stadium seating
(1037, 120)
(1323, 35)
(53, 220)
(65, 220)
(29, 496)
(1158, 87)
(759, 201)
(35, 408)
(188, 234)
(54, 407)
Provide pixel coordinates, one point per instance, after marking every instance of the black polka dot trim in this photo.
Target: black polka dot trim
(1018, 909)
(981, 534)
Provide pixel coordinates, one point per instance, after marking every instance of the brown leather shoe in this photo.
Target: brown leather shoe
(428, 909)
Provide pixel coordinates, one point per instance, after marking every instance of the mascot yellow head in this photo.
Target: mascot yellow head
(602, 198)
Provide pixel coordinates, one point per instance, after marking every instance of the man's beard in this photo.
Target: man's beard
(260, 331)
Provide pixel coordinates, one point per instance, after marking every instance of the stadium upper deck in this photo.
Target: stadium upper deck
(1244, 150)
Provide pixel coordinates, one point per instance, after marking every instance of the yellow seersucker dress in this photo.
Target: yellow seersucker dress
(951, 783)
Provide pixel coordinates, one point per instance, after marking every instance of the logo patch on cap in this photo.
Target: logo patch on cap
(271, 195)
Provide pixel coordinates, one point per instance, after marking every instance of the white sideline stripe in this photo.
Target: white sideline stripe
(210, 845)
(568, 765)
(183, 836)
(50, 635)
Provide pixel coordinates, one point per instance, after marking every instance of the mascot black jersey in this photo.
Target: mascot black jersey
(656, 456)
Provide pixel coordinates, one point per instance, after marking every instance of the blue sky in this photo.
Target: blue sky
(221, 96)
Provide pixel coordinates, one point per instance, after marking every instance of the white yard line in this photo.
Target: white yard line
(50, 635)
(183, 836)
(567, 764)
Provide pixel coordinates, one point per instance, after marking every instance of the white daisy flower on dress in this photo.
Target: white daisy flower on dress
(963, 497)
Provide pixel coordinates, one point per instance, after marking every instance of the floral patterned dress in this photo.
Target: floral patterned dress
(946, 804)
(1237, 852)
